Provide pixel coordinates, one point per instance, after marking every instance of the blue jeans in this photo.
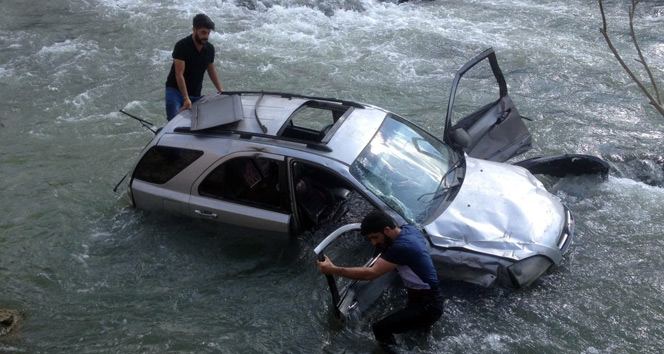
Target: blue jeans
(174, 102)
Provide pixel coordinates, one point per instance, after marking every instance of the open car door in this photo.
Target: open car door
(493, 129)
(351, 297)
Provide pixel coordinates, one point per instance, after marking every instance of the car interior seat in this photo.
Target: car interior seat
(318, 202)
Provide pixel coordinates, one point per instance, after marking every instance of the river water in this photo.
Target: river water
(91, 275)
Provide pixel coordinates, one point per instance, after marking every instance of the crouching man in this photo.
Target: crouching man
(404, 248)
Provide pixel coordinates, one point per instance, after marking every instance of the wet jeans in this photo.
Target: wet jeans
(416, 316)
(174, 102)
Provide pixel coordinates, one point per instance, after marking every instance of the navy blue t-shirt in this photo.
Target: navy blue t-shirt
(195, 64)
(409, 253)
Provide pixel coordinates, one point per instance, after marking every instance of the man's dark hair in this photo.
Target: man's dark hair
(202, 21)
(375, 222)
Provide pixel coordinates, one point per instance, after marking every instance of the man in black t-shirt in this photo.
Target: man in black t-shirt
(192, 56)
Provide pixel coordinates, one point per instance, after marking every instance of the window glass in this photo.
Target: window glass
(404, 166)
(313, 118)
(161, 163)
(249, 180)
(477, 89)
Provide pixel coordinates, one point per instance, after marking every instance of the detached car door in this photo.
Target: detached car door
(245, 189)
(350, 298)
(481, 117)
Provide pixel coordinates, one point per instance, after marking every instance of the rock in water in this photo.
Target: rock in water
(9, 319)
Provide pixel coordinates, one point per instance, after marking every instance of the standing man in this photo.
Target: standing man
(404, 248)
(192, 56)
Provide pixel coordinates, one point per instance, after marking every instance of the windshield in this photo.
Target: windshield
(404, 166)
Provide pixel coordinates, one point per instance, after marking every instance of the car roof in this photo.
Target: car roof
(245, 115)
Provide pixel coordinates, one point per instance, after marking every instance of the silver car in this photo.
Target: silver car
(289, 163)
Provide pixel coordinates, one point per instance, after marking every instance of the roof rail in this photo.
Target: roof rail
(293, 95)
(249, 135)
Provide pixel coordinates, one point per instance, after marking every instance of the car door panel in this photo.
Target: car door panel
(496, 131)
(238, 214)
(158, 197)
(244, 189)
(351, 298)
(500, 133)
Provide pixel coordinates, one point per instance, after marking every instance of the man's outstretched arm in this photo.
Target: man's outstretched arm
(357, 273)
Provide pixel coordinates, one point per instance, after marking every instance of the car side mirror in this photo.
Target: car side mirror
(461, 138)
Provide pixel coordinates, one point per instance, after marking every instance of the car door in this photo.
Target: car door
(346, 247)
(481, 117)
(245, 189)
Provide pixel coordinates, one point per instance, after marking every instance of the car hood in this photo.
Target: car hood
(502, 210)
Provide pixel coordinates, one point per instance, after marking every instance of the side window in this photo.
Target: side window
(248, 180)
(321, 196)
(161, 163)
(477, 91)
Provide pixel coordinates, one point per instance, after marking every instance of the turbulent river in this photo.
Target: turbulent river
(91, 275)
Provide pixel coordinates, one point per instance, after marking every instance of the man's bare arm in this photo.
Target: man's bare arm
(212, 72)
(182, 85)
(357, 273)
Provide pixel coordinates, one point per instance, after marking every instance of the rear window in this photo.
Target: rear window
(161, 163)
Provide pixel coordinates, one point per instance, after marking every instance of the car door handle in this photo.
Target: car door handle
(503, 116)
(206, 214)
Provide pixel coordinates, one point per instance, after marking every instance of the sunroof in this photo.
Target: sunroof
(313, 120)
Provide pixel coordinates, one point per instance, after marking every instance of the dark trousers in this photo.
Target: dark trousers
(416, 316)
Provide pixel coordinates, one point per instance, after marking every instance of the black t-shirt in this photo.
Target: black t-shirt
(195, 64)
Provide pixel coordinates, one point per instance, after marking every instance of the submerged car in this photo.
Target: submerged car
(288, 163)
